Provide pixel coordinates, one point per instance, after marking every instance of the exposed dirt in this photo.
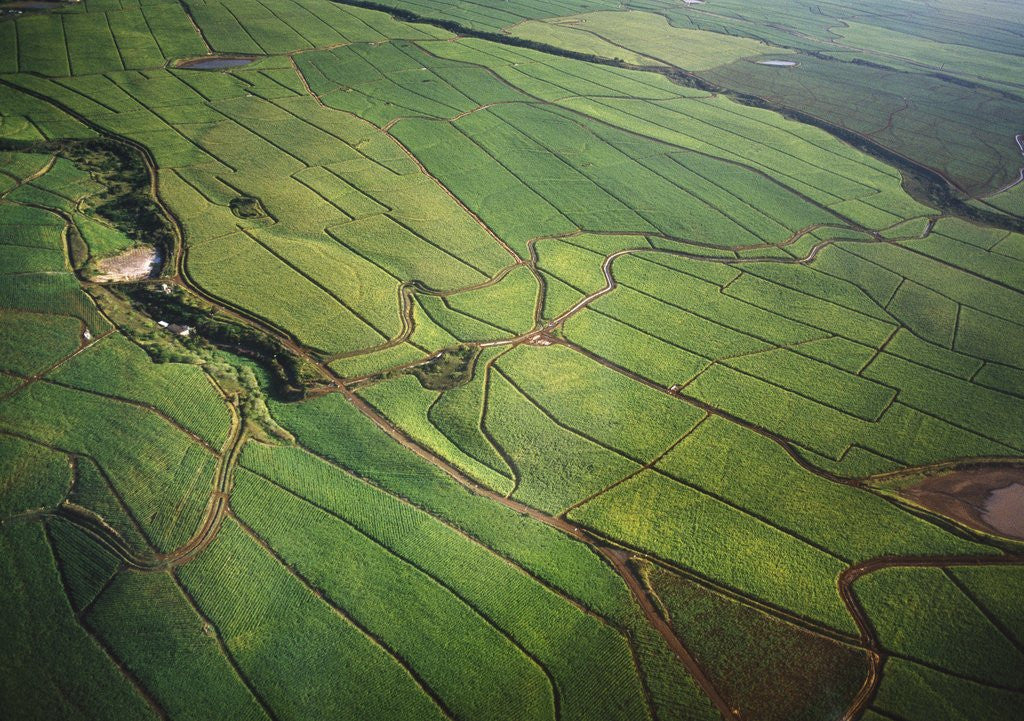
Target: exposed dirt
(216, 508)
(135, 264)
(988, 497)
(216, 62)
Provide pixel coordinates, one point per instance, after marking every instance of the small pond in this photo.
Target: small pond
(1004, 510)
(215, 63)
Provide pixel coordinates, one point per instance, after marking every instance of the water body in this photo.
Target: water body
(1004, 510)
(985, 496)
(778, 63)
(215, 63)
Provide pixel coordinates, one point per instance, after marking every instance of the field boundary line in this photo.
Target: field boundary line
(143, 406)
(985, 611)
(302, 274)
(450, 590)
(228, 655)
(87, 628)
(343, 614)
(646, 467)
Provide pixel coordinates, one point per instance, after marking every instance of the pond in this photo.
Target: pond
(215, 63)
(1004, 510)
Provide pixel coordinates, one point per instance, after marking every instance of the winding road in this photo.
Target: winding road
(617, 558)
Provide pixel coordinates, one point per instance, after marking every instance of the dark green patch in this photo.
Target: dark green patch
(85, 564)
(450, 368)
(78, 249)
(290, 376)
(126, 200)
(768, 668)
(247, 207)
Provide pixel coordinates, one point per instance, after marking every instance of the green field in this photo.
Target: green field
(562, 361)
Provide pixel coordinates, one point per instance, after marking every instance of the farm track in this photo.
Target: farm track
(604, 551)
(218, 506)
(409, 289)
(216, 509)
(219, 502)
(676, 75)
(406, 294)
(1019, 139)
(611, 283)
(619, 560)
(219, 499)
(616, 557)
(868, 636)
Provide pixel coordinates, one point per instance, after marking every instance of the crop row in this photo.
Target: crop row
(46, 679)
(507, 599)
(163, 476)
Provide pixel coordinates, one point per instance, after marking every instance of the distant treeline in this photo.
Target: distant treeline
(459, 29)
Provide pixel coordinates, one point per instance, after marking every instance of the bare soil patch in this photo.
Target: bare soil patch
(988, 497)
(134, 264)
(216, 62)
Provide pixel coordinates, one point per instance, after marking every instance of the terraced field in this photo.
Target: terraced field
(569, 360)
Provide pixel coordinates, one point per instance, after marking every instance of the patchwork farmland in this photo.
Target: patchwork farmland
(418, 359)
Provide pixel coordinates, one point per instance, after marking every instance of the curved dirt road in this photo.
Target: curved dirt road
(868, 636)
